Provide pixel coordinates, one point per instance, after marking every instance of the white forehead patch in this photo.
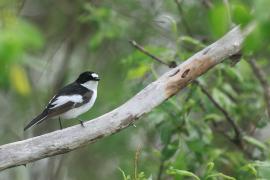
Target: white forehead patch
(95, 75)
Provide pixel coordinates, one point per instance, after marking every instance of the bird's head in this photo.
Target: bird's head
(88, 79)
(87, 76)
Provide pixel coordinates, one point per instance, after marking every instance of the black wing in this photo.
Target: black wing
(55, 111)
(69, 90)
(51, 110)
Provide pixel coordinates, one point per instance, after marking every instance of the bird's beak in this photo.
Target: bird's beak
(97, 79)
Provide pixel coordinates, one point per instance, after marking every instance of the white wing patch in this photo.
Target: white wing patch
(64, 99)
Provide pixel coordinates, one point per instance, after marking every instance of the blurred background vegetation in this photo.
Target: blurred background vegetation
(216, 128)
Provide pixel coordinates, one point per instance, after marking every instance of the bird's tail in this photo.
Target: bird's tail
(37, 120)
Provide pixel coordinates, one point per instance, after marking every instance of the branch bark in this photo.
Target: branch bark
(63, 141)
(237, 130)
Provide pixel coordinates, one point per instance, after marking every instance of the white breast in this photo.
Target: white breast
(73, 113)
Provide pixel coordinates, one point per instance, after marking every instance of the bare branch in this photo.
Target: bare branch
(69, 139)
(235, 58)
(261, 76)
(172, 64)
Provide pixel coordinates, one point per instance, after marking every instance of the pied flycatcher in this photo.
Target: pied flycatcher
(71, 101)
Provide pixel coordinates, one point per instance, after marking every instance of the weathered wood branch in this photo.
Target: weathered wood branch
(62, 141)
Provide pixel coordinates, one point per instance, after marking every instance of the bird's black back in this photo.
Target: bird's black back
(73, 88)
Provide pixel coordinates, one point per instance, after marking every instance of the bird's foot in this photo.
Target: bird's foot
(81, 122)
(60, 123)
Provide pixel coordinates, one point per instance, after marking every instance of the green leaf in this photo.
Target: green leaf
(262, 163)
(173, 171)
(124, 175)
(261, 8)
(16, 39)
(210, 167)
(222, 98)
(173, 26)
(234, 74)
(220, 175)
(263, 169)
(165, 133)
(250, 168)
(212, 116)
(255, 142)
(219, 20)
(241, 14)
(254, 41)
(109, 23)
(196, 145)
(169, 150)
(265, 31)
(228, 88)
(190, 40)
(138, 72)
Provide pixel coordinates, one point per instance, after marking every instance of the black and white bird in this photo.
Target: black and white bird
(71, 101)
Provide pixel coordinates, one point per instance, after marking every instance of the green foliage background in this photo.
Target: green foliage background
(45, 44)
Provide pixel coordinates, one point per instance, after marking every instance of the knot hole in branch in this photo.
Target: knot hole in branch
(185, 73)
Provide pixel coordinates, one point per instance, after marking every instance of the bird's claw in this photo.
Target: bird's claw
(60, 123)
(81, 122)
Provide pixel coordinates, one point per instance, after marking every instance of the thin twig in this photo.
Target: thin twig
(230, 120)
(261, 76)
(172, 64)
(228, 138)
(136, 160)
(160, 170)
